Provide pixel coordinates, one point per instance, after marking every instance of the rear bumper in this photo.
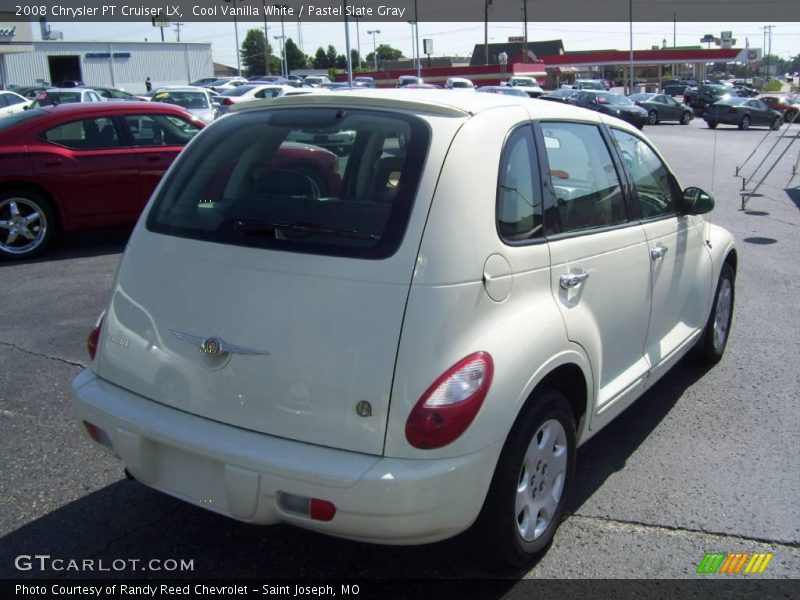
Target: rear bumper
(241, 473)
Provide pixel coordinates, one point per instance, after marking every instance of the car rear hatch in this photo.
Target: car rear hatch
(267, 287)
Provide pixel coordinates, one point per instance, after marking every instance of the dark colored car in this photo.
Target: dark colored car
(563, 95)
(80, 165)
(707, 95)
(674, 89)
(788, 107)
(363, 81)
(590, 84)
(405, 80)
(506, 90)
(745, 91)
(661, 107)
(743, 113)
(111, 93)
(615, 105)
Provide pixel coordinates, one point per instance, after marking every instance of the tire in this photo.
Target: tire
(509, 533)
(712, 343)
(712, 124)
(27, 224)
(686, 118)
(776, 124)
(652, 118)
(745, 122)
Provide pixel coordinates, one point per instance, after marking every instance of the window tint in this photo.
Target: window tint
(587, 188)
(87, 134)
(318, 180)
(653, 184)
(160, 130)
(519, 194)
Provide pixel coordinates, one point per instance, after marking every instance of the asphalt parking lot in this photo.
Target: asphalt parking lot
(706, 461)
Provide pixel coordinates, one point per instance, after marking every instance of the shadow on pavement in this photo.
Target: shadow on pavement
(84, 244)
(127, 520)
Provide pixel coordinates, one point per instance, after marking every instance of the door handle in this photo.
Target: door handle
(572, 280)
(658, 252)
(51, 162)
(153, 157)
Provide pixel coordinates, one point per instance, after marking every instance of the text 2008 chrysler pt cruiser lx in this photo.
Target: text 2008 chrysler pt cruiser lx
(404, 325)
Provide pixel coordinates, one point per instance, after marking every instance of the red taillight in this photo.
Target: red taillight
(448, 407)
(227, 102)
(94, 336)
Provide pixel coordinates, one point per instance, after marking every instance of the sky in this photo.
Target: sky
(451, 39)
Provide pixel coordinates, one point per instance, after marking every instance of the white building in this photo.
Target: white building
(120, 64)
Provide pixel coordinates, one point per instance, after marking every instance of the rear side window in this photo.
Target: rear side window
(586, 184)
(160, 130)
(519, 193)
(319, 180)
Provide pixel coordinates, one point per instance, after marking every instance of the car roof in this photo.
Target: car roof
(181, 88)
(441, 102)
(115, 106)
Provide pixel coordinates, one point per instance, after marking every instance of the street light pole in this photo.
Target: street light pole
(358, 41)
(416, 38)
(374, 46)
(284, 72)
(266, 40)
(630, 25)
(238, 54)
(347, 44)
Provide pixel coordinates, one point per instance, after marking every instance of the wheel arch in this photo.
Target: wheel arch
(39, 190)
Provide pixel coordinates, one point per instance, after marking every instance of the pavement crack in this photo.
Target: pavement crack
(678, 529)
(100, 553)
(41, 355)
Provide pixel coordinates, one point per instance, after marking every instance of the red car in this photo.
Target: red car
(789, 107)
(74, 166)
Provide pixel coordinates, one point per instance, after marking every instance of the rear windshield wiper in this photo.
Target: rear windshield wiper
(262, 228)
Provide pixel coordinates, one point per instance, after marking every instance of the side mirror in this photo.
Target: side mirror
(26, 107)
(697, 201)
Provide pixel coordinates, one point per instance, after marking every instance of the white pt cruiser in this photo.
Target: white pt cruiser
(407, 337)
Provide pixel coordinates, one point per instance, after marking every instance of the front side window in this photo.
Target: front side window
(86, 134)
(519, 193)
(587, 187)
(652, 178)
(321, 180)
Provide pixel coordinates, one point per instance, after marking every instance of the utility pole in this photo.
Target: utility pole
(486, 31)
(524, 31)
(347, 44)
(358, 41)
(767, 48)
(178, 26)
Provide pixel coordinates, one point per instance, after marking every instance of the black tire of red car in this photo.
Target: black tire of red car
(652, 117)
(711, 345)
(497, 532)
(35, 214)
(776, 123)
(686, 118)
(745, 122)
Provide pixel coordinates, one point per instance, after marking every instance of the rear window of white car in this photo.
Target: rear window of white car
(318, 180)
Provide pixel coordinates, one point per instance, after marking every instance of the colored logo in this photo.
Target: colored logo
(741, 562)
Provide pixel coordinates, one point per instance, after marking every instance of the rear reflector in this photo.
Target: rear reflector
(98, 435)
(312, 508)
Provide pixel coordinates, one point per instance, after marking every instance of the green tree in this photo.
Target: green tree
(331, 56)
(385, 52)
(341, 62)
(252, 52)
(295, 59)
(321, 59)
(355, 58)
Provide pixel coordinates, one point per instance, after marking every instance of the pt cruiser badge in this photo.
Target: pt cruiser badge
(215, 346)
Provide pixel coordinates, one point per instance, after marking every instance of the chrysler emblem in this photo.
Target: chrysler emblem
(215, 346)
(210, 346)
